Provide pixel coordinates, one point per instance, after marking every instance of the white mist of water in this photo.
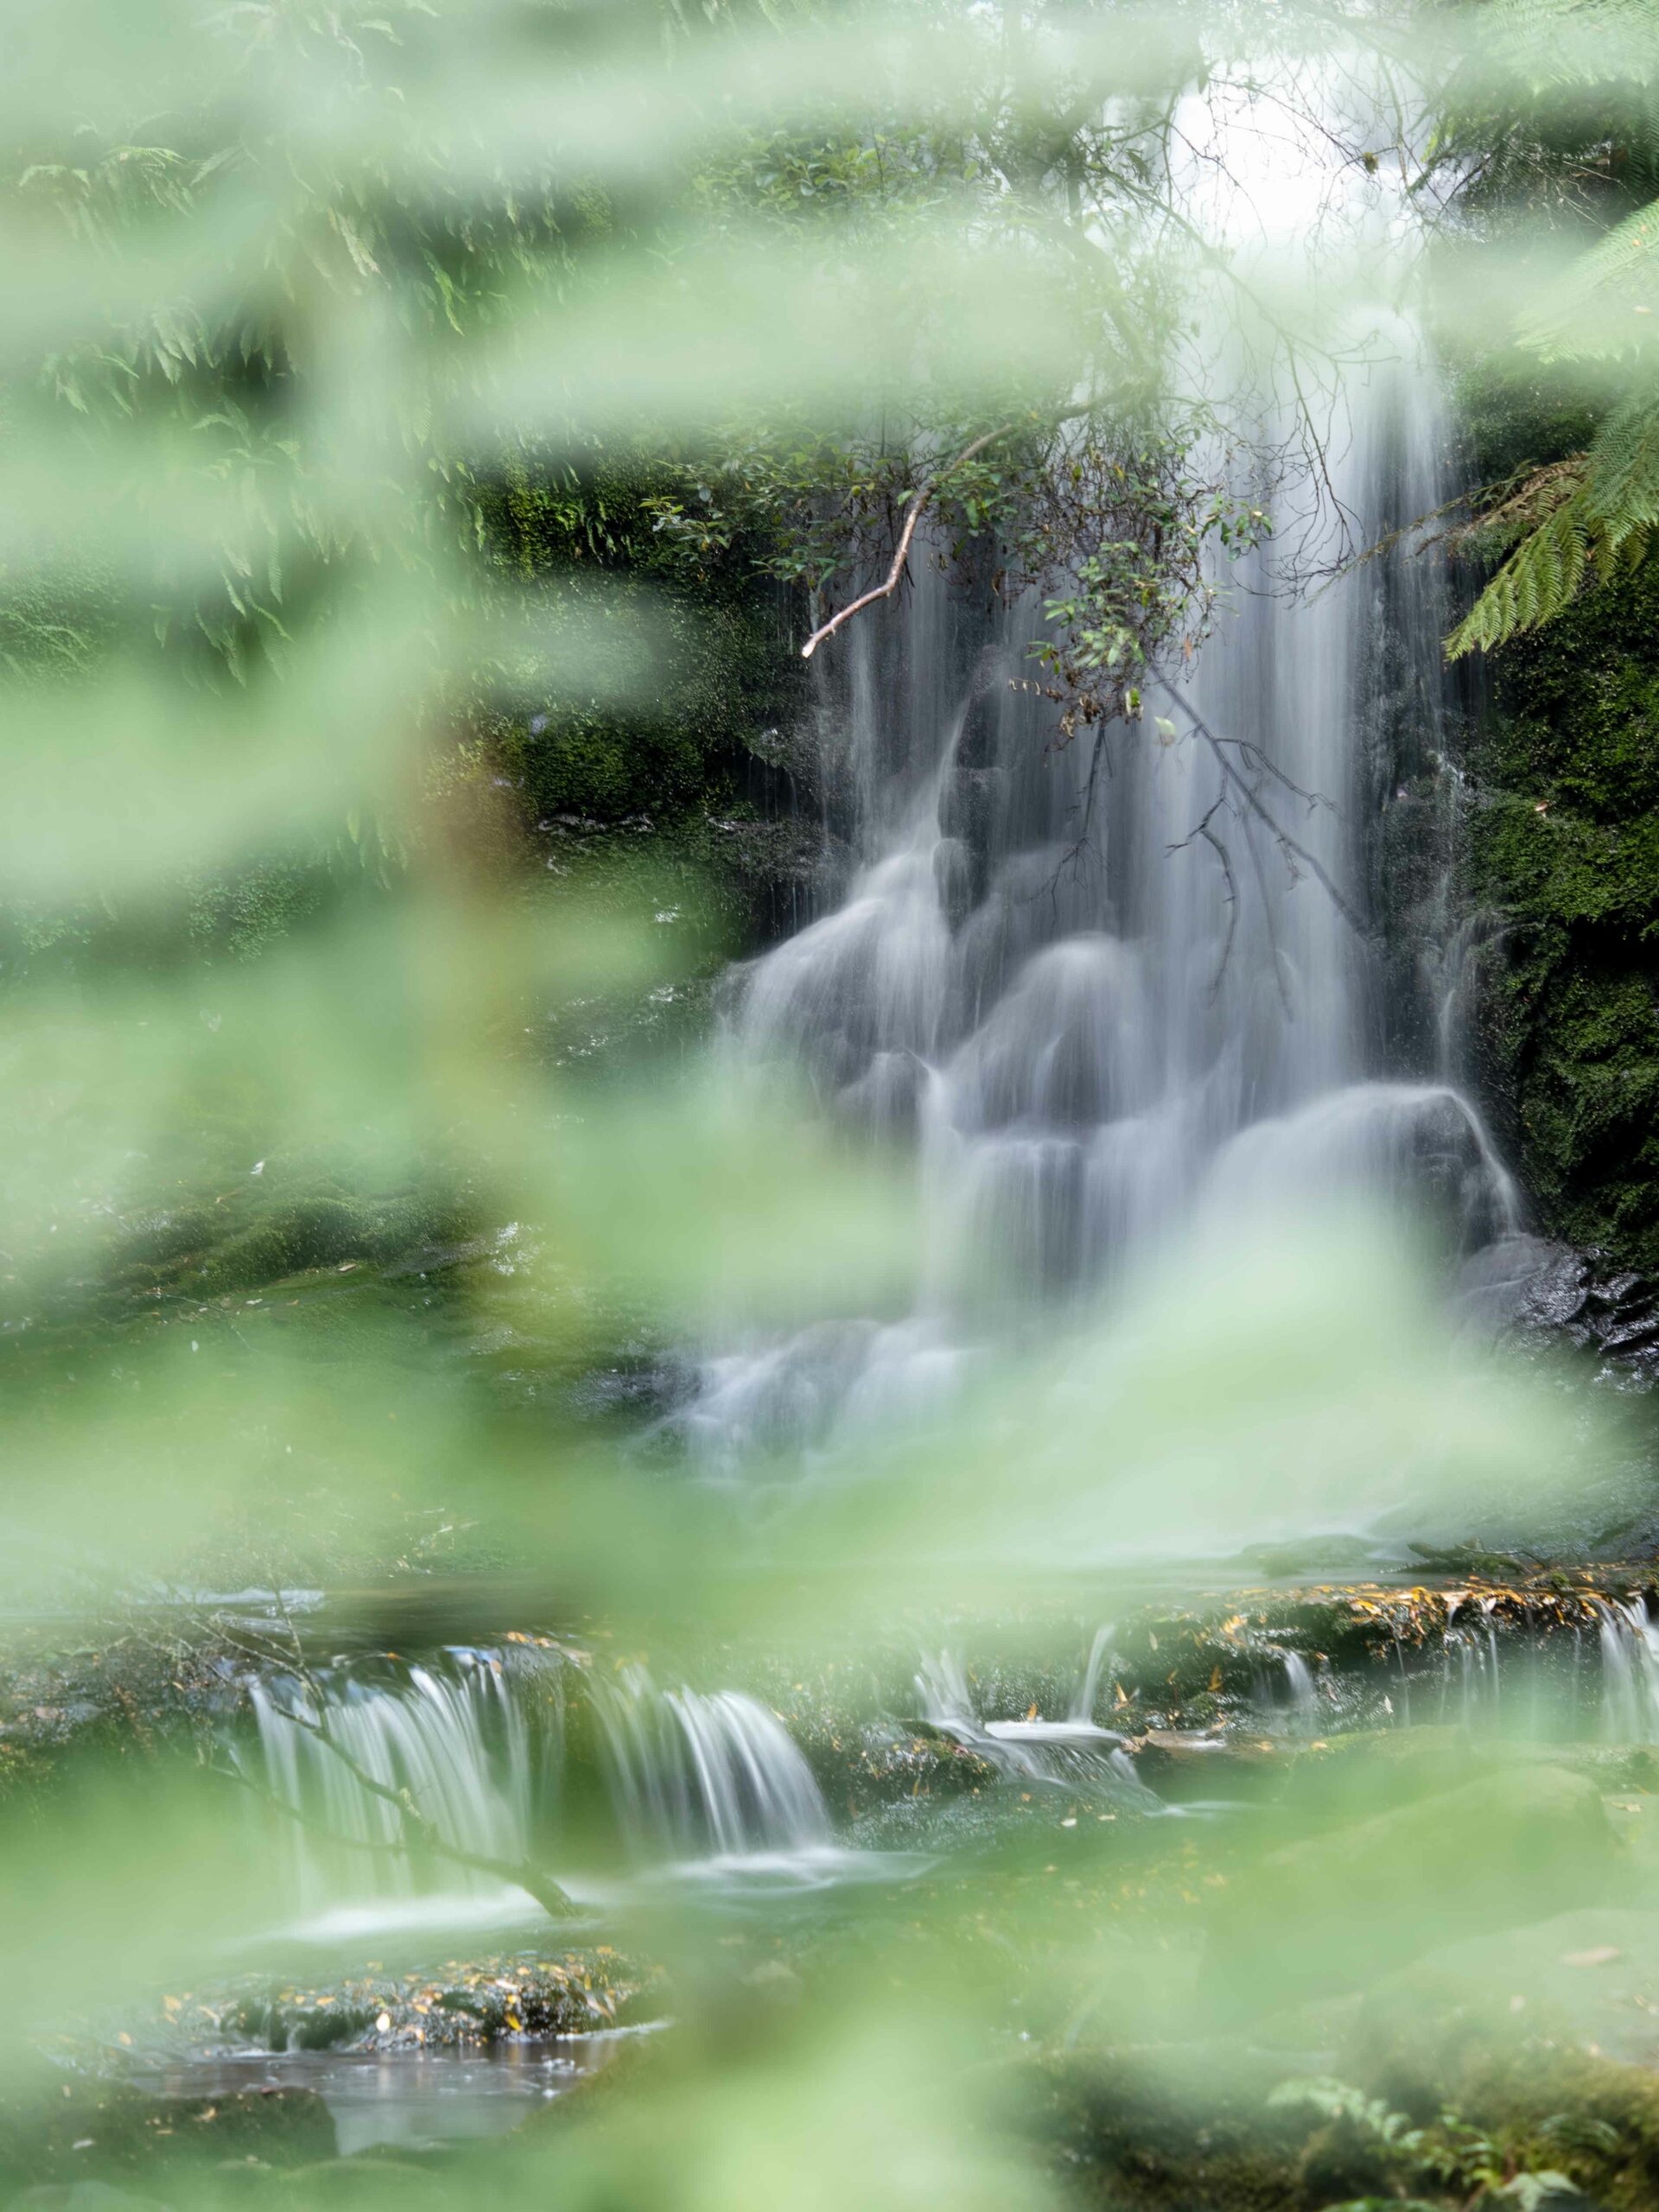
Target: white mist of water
(692, 1776)
(698, 1775)
(1072, 1753)
(1630, 1670)
(1096, 1030)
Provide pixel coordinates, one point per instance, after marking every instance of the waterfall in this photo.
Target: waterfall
(480, 1746)
(1285, 1691)
(699, 1776)
(453, 1736)
(1082, 1704)
(1091, 1026)
(1071, 1754)
(1630, 1670)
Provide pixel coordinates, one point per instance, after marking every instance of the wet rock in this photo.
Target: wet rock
(1184, 1762)
(1584, 1977)
(496, 2000)
(1535, 1293)
(958, 873)
(1353, 1776)
(968, 803)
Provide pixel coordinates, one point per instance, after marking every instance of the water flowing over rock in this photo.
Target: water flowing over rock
(1630, 1670)
(1113, 988)
(482, 1749)
(1071, 1754)
(702, 1775)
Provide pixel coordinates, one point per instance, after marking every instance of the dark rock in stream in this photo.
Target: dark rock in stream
(456, 2006)
(1530, 1291)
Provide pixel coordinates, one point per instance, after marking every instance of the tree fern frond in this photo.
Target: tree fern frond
(1538, 579)
(1622, 471)
(1557, 46)
(1608, 302)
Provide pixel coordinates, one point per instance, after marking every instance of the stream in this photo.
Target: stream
(1112, 1000)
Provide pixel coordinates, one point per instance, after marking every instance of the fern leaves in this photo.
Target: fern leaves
(1600, 507)
(1537, 581)
(1593, 512)
(1607, 305)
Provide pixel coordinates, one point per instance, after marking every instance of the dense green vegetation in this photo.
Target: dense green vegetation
(1553, 411)
(435, 439)
(1564, 849)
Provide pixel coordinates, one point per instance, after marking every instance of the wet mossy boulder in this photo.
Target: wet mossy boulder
(1188, 2125)
(1341, 1905)
(1491, 2029)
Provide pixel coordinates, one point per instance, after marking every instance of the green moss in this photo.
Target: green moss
(1564, 846)
(718, 673)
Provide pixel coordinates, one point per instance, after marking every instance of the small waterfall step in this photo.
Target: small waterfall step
(480, 1742)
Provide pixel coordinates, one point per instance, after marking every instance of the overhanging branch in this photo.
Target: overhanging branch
(886, 590)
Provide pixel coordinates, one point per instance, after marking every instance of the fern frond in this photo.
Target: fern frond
(1559, 46)
(1622, 471)
(1608, 302)
(1540, 578)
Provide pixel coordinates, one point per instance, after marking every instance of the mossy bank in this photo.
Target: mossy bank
(1561, 855)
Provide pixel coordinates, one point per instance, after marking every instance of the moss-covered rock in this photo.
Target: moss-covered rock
(1338, 1907)
(489, 2000)
(1562, 852)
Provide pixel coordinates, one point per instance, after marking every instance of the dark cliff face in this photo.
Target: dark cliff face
(1510, 836)
(1558, 869)
(1563, 847)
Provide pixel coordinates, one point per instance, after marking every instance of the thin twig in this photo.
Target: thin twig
(1203, 830)
(1275, 959)
(427, 1836)
(902, 554)
(1252, 800)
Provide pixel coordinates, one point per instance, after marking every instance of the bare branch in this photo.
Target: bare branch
(1292, 847)
(417, 1835)
(422, 1835)
(902, 553)
(1203, 829)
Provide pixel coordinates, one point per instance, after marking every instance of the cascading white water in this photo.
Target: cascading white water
(698, 1775)
(479, 1749)
(1082, 1704)
(1285, 1692)
(454, 1738)
(1630, 1670)
(1072, 1753)
(1092, 1039)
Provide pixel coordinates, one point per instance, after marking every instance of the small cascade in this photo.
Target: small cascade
(1299, 1680)
(1070, 1754)
(1414, 1144)
(1082, 1704)
(1472, 1691)
(698, 1776)
(1630, 1670)
(453, 1737)
(477, 1744)
(1285, 1691)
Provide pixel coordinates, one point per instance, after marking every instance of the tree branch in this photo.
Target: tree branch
(1253, 800)
(422, 1835)
(1203, 829)
(902, 554)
